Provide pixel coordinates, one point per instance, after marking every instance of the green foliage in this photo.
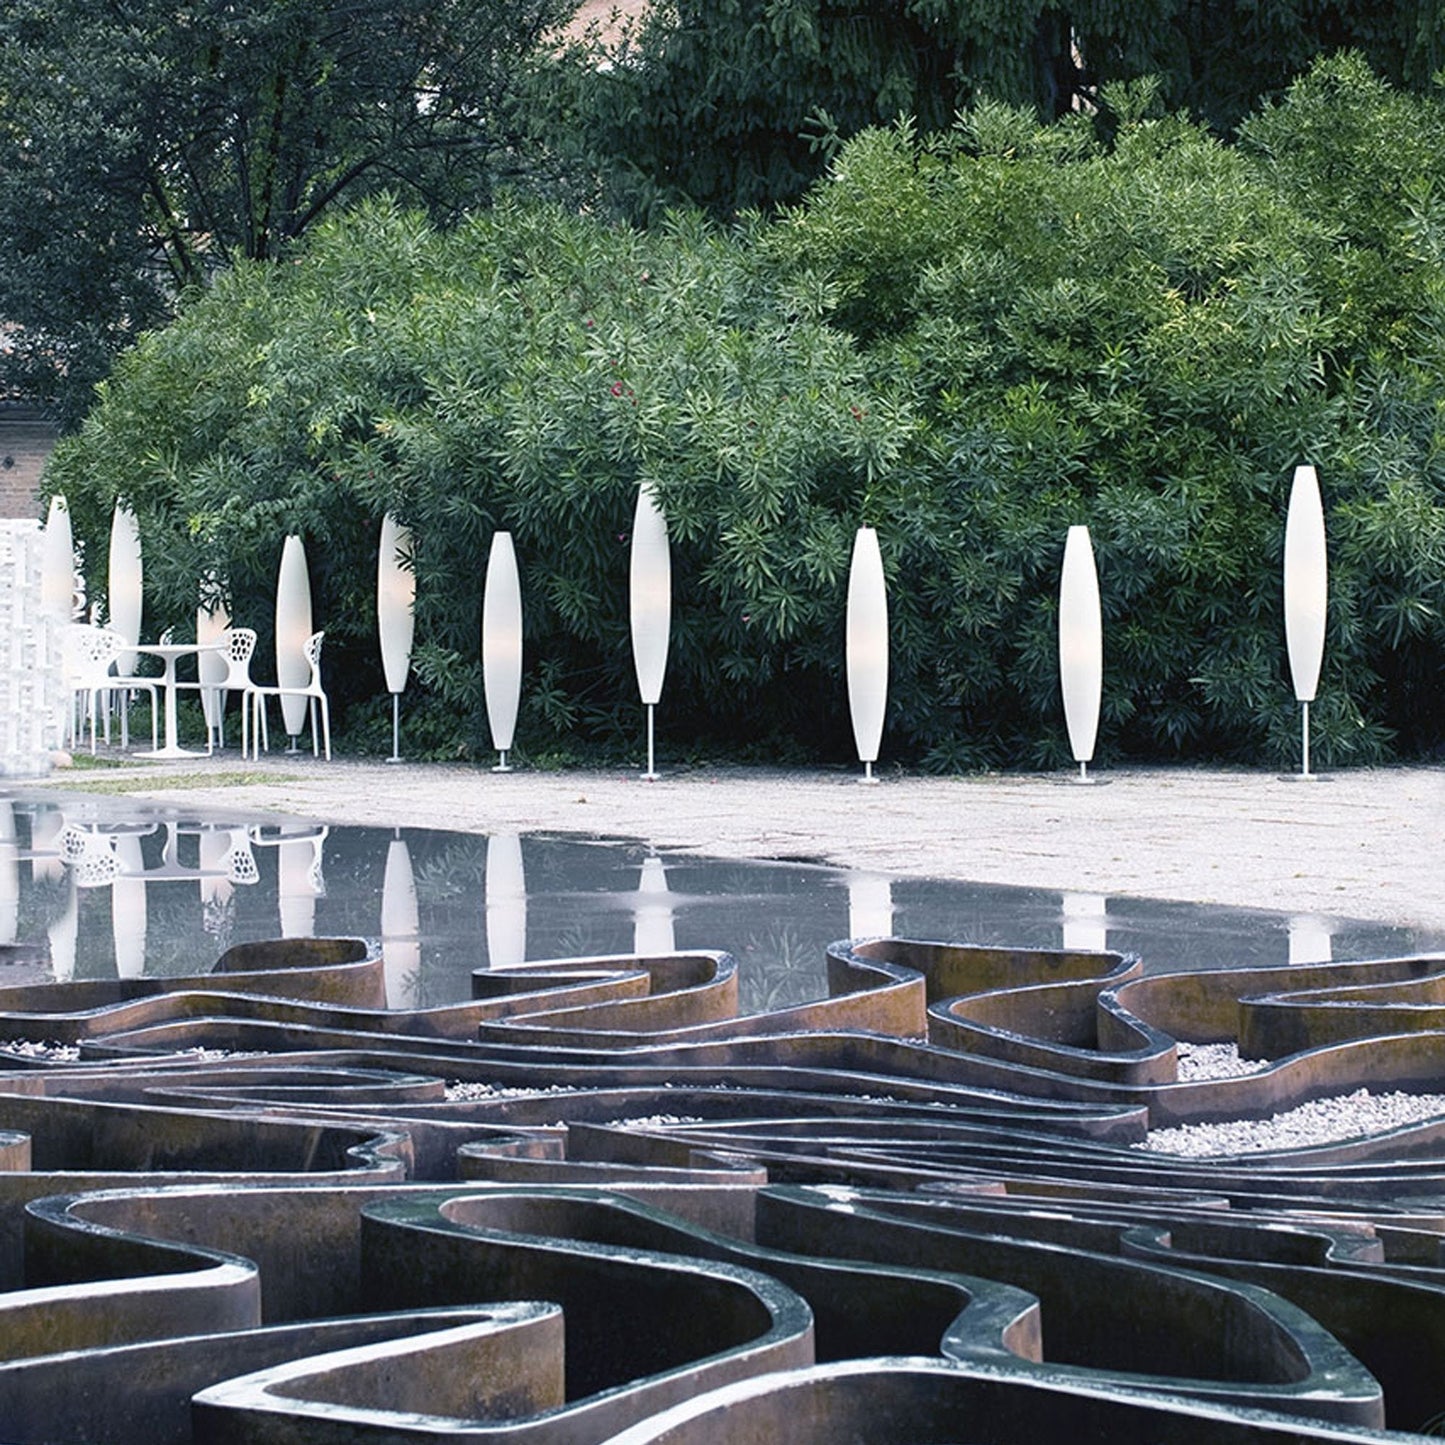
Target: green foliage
(142, 144)
(971, 341)
(739, 105)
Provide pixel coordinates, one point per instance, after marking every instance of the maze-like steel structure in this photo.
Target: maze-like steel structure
(259, 1208)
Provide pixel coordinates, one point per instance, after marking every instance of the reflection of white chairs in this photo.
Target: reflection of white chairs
(89, 655)
(311, 690)
(237, 643)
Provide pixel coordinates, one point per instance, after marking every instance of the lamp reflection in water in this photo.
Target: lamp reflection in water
(1309, 940)
(128, 919)
(1306, 596)
(9, 875)
(1086, 925)
(1081, 647)
(502, 645)
(870, 905)
(867, 648)
(299, 879)
(653, 934)
(400, 927)
(506, 902)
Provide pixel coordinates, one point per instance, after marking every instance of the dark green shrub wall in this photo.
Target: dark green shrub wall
(970, 342)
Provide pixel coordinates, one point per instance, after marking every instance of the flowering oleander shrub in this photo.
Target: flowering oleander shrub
(970, 341)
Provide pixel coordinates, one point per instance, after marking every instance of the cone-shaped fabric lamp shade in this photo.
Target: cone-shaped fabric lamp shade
(212, 619)
(867, 646)
(395, 602)
(1305, 583)
(1306, 595)
(1081, 644)
(293, 629)
(502, 643)
(57, 560)
(651, 604)
(125, 582)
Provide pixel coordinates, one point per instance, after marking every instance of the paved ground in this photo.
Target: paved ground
(1367, 844)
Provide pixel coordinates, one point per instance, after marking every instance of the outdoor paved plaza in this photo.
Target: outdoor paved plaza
(1368, 844)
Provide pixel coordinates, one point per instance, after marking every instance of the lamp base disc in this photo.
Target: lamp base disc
(502, 767)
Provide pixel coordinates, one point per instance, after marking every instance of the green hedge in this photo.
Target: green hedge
(970, 341)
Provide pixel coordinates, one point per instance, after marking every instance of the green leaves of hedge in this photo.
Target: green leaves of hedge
(970, 341)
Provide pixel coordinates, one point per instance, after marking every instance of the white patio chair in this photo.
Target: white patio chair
(239, 644)
(88, 657)
(311, 690)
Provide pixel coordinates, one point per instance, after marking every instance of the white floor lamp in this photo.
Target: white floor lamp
(867, 647)
(125, 582)
(293, 630)
(395, 616)
(1306, 595)
(651, 605)
(1081, 646)
(57, 560)
(502, 645)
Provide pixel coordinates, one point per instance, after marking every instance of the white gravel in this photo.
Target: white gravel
(1215, 1061)
(1322, 1121)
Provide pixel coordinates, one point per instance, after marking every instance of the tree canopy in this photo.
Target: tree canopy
(142, 144)
(738, 104)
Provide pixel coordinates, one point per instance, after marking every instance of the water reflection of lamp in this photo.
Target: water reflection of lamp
(1081, 646)
(400, 927)
(128, 907)
(502, 645)
(651, 605)
(293, 631)
(9, 874)
(1086, 926)
(299, 882)
(46, 828)
(867, 647)
(653, 935)
(506, 901)
(1309, 940)
(63, 930)
(395, 616)
(870, 905)
(1306, 595)
(125, 582)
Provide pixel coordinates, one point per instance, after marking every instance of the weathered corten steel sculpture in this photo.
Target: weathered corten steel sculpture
(594, 1203)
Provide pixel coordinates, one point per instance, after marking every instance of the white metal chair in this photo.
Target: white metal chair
(311, 690)
(239, 644)
(89, 655)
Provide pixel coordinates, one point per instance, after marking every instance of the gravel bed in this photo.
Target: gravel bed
(1215, 1061)
(1322, 1121)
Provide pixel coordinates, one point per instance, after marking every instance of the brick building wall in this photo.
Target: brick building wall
(26, 440)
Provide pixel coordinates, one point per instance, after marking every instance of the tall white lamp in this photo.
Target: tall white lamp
(213, 617)
(57, 560)
(502, 645)
(125, 582)
(867, 647)
(651, 605)
(395, 616)
(1081, 646)
(293, 631)
(1306, 593)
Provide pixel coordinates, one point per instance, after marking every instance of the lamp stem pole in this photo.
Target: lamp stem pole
(395, 728)
(503, 766)
(1083, 770)
(1305, 739)
(651, 773)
